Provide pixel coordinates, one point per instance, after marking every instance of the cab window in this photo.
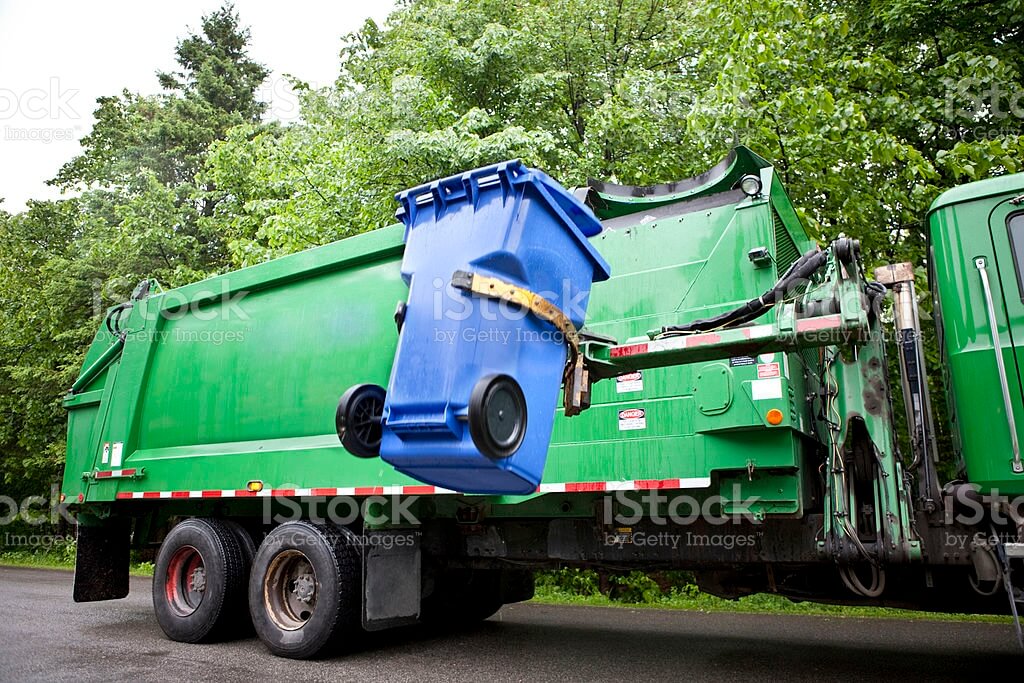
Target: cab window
(1015, 225)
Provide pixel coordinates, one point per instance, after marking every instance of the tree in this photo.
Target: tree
(167, 135)
(141, 214)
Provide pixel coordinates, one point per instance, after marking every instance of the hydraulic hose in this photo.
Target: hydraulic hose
(802, 268)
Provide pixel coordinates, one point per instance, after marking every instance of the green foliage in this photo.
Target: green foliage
(140, 214)
(571, 581)
(61, 556)
(864, 131)
(636, 587)
(678, 590)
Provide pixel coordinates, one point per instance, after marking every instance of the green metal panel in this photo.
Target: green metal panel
(612, 201)
(237, 378)
(967, 223)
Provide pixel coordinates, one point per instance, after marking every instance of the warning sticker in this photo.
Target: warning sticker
(631, 381)
(632, 418)
(740, 361)
(768, 370)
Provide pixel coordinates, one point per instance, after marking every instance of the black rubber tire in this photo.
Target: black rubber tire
(223, 606)
(245, 542)
(357, 419)
(497, 416)
(336, 622)
(247, 545)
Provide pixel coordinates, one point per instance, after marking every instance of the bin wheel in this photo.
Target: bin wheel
(497, 416)
(358, 420)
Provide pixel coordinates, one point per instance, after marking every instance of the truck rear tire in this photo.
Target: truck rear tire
(199, 582)
(305, 594)
(243, 625)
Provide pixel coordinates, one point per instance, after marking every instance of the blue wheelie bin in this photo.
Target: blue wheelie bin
(475, 383)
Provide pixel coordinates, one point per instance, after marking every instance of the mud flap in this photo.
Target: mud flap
(392, 567)
(101, 564)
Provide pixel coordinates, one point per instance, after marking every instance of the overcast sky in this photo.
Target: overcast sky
(58, 56)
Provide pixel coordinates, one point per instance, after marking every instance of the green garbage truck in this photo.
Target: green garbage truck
(725, 408)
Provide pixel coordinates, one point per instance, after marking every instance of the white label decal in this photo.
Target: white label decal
(631, 381)
(632, 418)
(766, 357)
(106, 453)
(115, 454)
(764, 389)
(768, 370)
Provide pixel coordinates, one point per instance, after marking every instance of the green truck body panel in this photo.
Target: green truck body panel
(967, 223)
(236, 378)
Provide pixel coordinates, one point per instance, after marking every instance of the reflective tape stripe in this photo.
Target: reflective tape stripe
(420, 490)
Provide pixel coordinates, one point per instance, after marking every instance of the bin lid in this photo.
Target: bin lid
(577, 217)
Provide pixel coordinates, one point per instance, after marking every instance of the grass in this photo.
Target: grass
(754, 604)
(639, 590)
(59, 557)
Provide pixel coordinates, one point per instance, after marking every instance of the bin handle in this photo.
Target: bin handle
(506, 172)
(575, 374)
(496, 288)
(990, 310)
(456, 187)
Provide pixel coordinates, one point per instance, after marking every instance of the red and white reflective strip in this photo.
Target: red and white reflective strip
(113, 474)
(417, 490)
(628, 485)
(289, 493)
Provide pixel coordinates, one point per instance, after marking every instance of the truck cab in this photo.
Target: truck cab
(976, 273)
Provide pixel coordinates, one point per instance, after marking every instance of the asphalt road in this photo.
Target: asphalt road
(45, 636)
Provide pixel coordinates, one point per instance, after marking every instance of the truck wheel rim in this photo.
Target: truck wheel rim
(290, 590)
(185, 582)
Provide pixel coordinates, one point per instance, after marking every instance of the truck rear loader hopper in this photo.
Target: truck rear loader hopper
(728, 366)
